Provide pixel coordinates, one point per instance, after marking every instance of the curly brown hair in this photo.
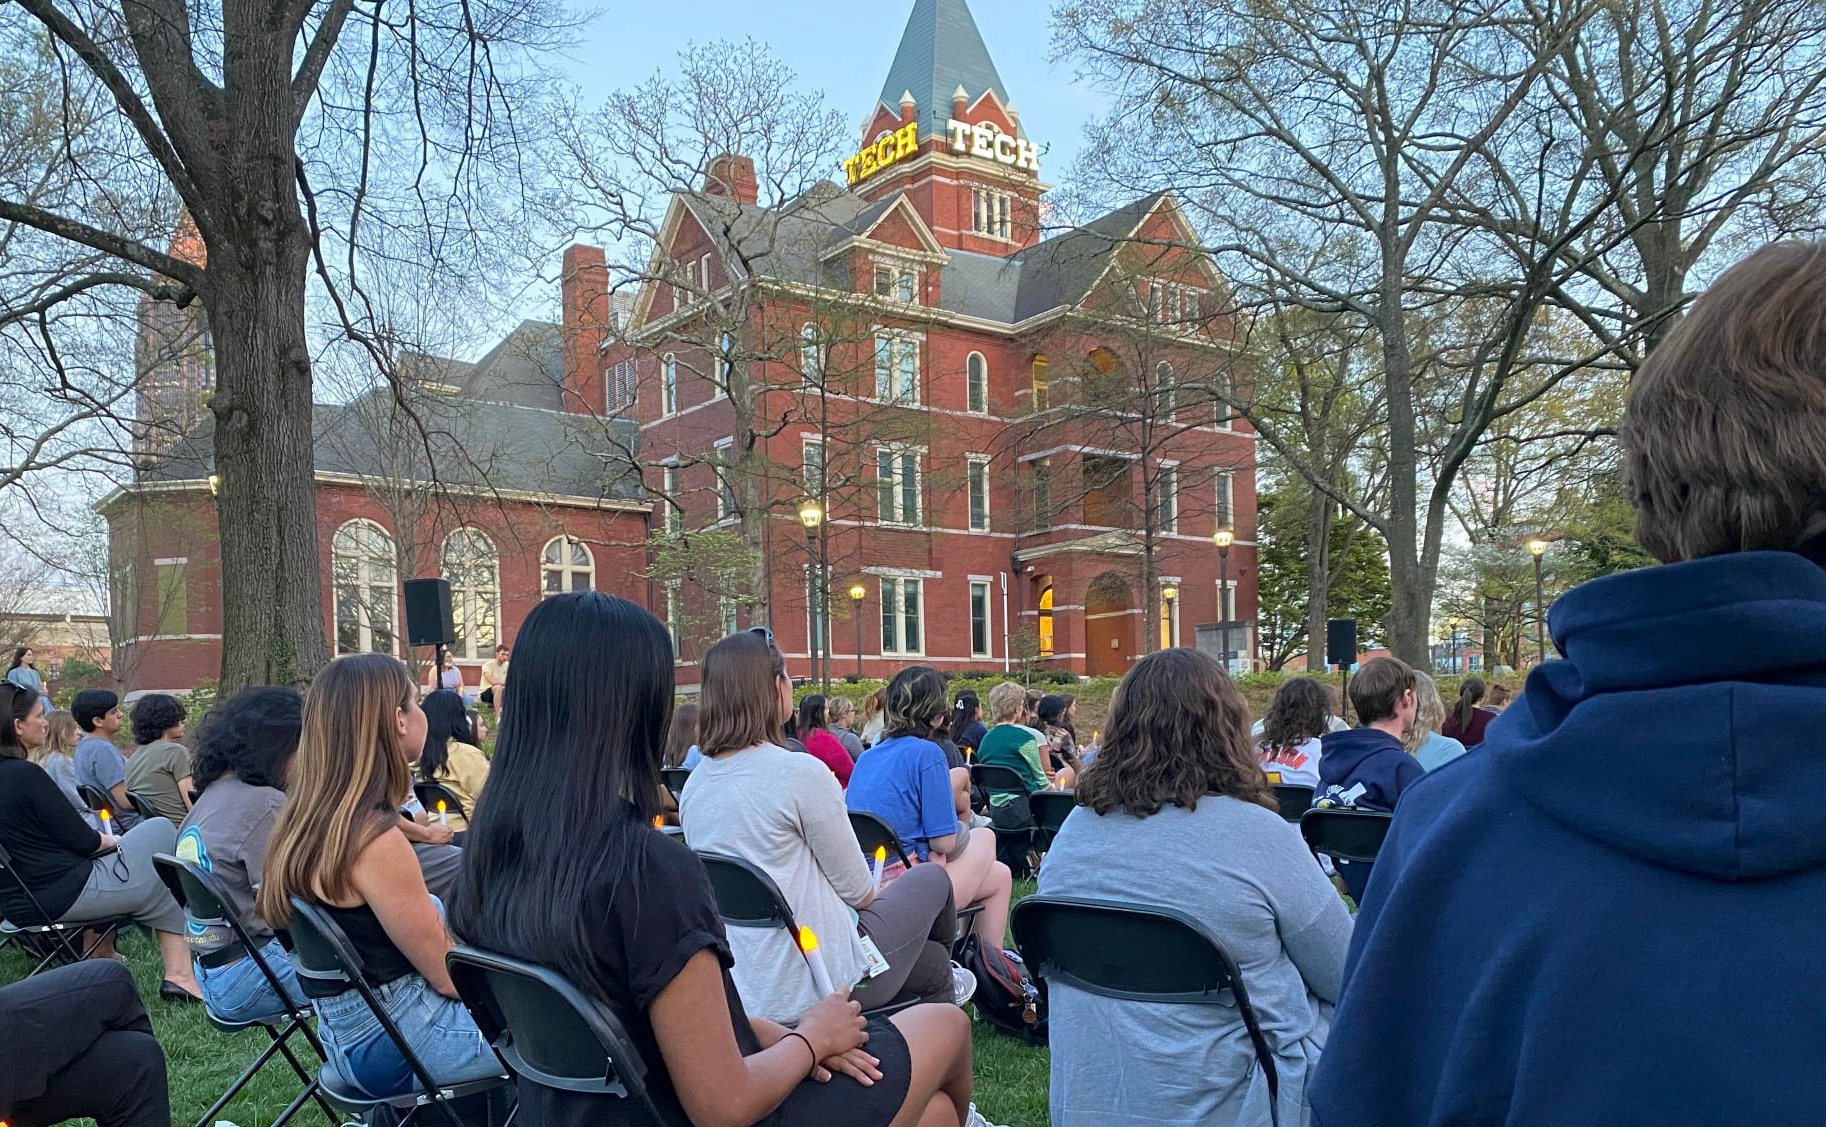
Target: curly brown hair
(1178, 731)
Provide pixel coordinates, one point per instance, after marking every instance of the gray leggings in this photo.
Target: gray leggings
(913, 921)
(124, 886)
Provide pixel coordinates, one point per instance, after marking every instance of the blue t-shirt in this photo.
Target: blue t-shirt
(905, 783)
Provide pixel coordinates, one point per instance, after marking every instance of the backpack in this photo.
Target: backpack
(1007, 997)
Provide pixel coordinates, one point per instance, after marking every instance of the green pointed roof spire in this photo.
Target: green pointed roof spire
(940, 51)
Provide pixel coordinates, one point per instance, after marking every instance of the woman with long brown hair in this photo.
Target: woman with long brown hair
(337, 843)
(1177, 773)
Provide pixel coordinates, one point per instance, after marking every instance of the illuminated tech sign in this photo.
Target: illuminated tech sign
(982, 140)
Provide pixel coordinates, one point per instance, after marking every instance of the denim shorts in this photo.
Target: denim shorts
(239, 992)
(439, 1029)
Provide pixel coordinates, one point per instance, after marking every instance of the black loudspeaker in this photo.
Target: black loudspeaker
(428, 620)
(1341, 642)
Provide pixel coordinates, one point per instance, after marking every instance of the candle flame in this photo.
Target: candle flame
(440, 806)
(659, 823)
(808, 940)
(881, 854)
(104, 821)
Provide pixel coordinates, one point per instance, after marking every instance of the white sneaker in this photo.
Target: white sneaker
(963, 986)
(976, 1118)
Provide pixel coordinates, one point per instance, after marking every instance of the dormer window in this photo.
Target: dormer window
(898, 281)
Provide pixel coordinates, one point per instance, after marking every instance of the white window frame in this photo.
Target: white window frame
(674, 516)
(668, 385)
(1166, 389)
(899, 346)
(725, 366)
(1169, 614)
(976, 375)
(811, 356)
(972, 463)
(726, 501)
(897, 514)
(672, 595)
(566, 568)
(989, 213)
(1226, 600)
(982, 585)
(814, 487)
(1225, 417)
(618, 387)
(1224, 495)
(729, 608)
(472, 602)
(368, 580)
(893, 591)
(1166, 496)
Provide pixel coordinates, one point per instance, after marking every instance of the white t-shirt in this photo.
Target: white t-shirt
(1295, 766)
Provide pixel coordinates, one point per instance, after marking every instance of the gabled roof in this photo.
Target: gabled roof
(941, 50)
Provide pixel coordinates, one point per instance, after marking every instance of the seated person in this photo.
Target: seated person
(56, 756)
(159, 771)
(244, 749)
(77, 1043)
(1368, 768)
(1055, 715)
(1467, 722)
(591, 890)
(751, 798)
(338, 844)
(843, 723)
(967, 726)
(1424, 741)
(1545, 932)
(1150, 808)
(1010, 743)
(1298, 717)
(904, 782)
(76, 873)
(818, 740)
(451, 757)
(99, 763)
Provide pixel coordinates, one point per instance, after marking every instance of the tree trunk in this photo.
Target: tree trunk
(1318, 579)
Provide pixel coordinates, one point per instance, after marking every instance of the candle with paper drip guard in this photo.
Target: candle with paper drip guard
(881, 862)
(821, 978)
(443, 813)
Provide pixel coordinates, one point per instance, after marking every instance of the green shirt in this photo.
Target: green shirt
(1013, 747)
(153, 773)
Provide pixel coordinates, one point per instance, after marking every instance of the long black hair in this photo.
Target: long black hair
(575, 781)
(967, 709)
(446, 719)
(1470, 691)
(253, 735)
(19, 657)
(811, 715)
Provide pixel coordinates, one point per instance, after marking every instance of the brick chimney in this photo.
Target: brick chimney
(732, 175)
(584, 291)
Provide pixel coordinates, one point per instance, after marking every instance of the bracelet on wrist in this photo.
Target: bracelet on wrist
(806, 1041)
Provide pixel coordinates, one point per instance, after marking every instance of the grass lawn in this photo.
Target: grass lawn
(1011, 1077)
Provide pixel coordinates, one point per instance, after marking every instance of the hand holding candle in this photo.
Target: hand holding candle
(821, 978)
(881, 862)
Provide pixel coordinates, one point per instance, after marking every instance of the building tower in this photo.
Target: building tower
(173, 360)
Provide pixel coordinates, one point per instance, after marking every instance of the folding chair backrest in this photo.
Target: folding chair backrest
(873, 833)
(1345, 835)
(1050, 808)
(674, 779)
(320, 950)
(549, 1031)
(95, 798)
(1294, 800)
(143, 807)
(203, 899)
(997, 779)
(1134, 953)
(746, 896)
(429, 794)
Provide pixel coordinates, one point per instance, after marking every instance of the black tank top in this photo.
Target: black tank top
(381, 961)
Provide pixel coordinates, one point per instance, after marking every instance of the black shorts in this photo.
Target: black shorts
(842, 1100)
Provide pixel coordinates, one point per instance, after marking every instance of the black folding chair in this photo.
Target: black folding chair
(143, 807)
(872, 833)
(49, 940)
(200, 895)
(1345, 835)
(746, 896)
(1137, 954)
(674, 780)
(1012, 842)
(430, 794)
(549, 1032)
(1050, 808)
(323, 954)
(1294, 800)
(96, 799)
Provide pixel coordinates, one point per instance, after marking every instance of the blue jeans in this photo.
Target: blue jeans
(439, 1029)
(239, 992)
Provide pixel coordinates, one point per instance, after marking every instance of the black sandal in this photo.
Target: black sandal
(172, 992)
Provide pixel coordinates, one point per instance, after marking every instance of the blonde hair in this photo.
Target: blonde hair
(1006, 701)
(347, 782)
(1429, 712)
(873, 704)
(840, 707)
(62, 735)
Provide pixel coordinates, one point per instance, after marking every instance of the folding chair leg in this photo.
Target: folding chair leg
(309, 1076)
(247, 1075)
(291, 1109)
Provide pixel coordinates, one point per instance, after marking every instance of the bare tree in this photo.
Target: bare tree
(281, 133)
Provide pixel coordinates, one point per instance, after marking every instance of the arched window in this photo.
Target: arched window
(976, 371)
(1044, 621)
(811, 366)
(1042, 397)
(472, 566)
(365, 578)
(568, 566)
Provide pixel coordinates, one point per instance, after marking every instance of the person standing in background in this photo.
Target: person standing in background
(22, 672)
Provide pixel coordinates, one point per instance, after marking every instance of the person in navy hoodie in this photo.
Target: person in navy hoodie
(1547, 943)
(1367, 768)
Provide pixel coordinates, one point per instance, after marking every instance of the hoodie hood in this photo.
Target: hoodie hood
(1681, 727)
(1342, 754)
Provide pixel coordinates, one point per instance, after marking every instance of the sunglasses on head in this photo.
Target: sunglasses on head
(765, 632)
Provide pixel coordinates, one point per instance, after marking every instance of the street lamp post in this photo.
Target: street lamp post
(1537, 549)
(856, 595)
(811, 516)
(1223, 538)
